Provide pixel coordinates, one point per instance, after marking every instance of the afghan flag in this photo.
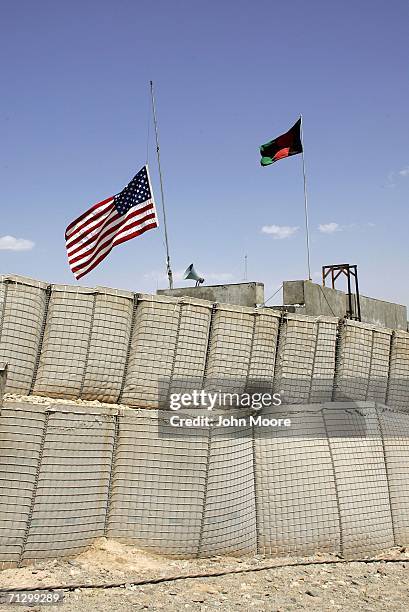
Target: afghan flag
(283, 146)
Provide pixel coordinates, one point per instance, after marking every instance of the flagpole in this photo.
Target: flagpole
(307, 230)
(168, 267)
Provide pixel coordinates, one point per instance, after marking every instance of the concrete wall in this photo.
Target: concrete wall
(240, 294)
(384, 314)
(313, 300)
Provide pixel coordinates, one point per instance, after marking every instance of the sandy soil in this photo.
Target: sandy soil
(44, 400)
(351, 586)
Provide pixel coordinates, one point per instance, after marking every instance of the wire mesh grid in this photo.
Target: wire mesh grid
(398, 384)
(72, 486)
(65, 346)
(337, 481)
(158, 486)
(21, 433)
(108, 343)
(306, 359)
(363, 362)
(152, 350)
(22, 308)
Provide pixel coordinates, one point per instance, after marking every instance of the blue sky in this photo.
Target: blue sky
(229, 76)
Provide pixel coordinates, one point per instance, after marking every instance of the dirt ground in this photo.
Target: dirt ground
(316, 585)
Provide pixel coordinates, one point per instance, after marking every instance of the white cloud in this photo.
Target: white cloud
(394, 176)
(10, 243)
(279, 232)
(329, 228)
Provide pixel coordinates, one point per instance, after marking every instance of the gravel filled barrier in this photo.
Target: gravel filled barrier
(335, 482)
(84, 452)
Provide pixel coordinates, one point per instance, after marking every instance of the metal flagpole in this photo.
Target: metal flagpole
(307, 230)
(168, 268)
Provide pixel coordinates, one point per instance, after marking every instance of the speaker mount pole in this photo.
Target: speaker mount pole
(168, 267)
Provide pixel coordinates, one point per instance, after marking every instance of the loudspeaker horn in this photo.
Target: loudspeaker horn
(190, 273)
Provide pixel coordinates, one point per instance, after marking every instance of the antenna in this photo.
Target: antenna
(168, 267)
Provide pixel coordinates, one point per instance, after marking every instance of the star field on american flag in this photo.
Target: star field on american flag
(136, 192)
(117, 219)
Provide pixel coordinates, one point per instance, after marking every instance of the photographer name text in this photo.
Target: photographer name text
(229, 421)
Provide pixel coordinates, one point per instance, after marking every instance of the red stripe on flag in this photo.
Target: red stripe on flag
(109, 233)
(111, 236)
(281, 154)
(137, 223)
(134, 235)
(136, 211)
(91, 225)
(92, 236)
(96, 237)
(85, 214)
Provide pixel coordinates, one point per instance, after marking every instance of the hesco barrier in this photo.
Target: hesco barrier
(338, 480)
(363, 362)
(335, 481)
(118, 347)
(23, 304)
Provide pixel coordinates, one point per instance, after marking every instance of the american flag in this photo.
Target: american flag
(117, 219)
